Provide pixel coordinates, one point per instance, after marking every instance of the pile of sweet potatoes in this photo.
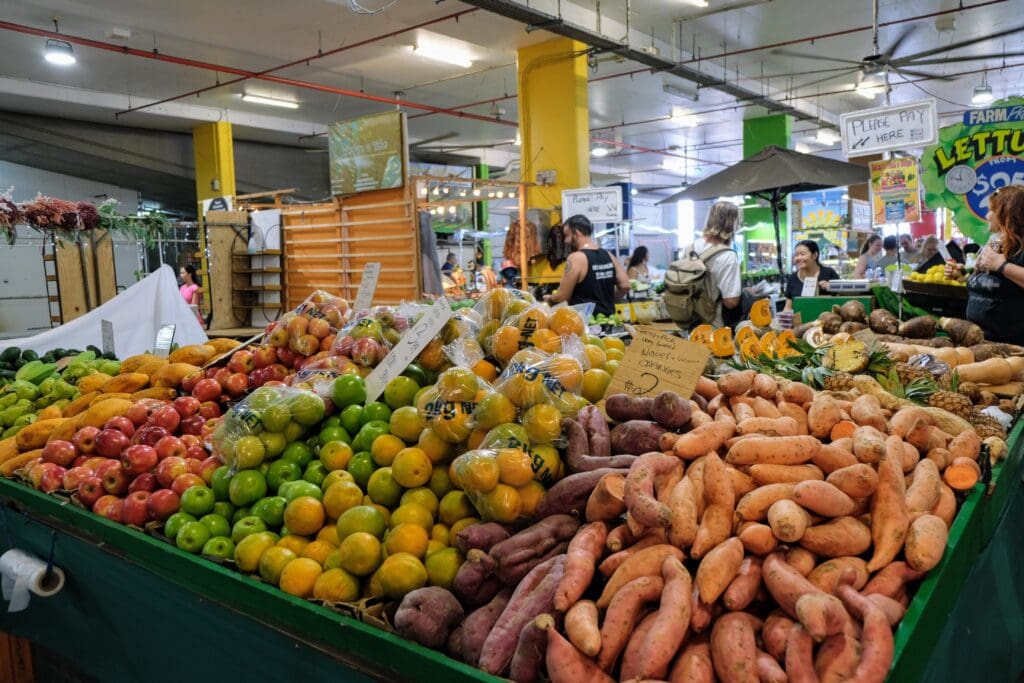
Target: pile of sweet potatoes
(769, 537)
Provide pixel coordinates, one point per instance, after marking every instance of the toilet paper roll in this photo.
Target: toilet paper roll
(23, 573)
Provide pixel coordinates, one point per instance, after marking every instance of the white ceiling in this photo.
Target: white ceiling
(634, 109)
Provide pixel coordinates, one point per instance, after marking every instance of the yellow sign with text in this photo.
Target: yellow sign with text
(655, 362)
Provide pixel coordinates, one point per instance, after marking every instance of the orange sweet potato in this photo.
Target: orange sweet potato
(911, 456)
(877, 647)
(703, 439)
(742, 483)
(797, 392)
(822, 498)
(736, 383)
(765, 408)
(822, 415)
(891, 579)
(823, 615)
(889, 517)
(866, 411)
(801, 559)
(734, 648)
(607, 502)
(581, 626)
(614, 561)
(582, 555)
(671, 622)
(647, 562)
(693, 664)
(682, 505)
(966, 444)
(833, 456)
(780, 474)
(837, 659)
(962, 474)
(765, 386)
(565, 664)
(715, 527)
(782, 450)
(799, 661)
(768, 426)
(757, 538)
(796, 412)
(785, 583)
(945, 508)
(941, 457)
(923, 492)
(788, 520)
(826, 575)
(631, 655)
(775, 632)
(856, 481)
(768, 670)
(837, 537)
(639, 497)
(754, 506)
(926, 542)
(718, 568)
(623, 613)
(842, 430)
(744, 588)
(868, 444)
(903, 420)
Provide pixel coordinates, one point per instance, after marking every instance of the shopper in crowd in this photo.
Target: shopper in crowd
(637, 267)
(995, 290)
(724, 267)
(869, 255)
(909, 252)
(449, 264)
(189, 288)
(891, 246)
(806, 259)
(591, 273)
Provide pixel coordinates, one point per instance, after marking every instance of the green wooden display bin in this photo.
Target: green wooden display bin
(810, 307)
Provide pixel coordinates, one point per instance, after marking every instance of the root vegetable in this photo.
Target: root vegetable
(962, 333)
(639, 489)
(530, 650)
(631, 656)
(798, 414)
(607, 502)
(822, 498)
(925, 437)
(891, 579)
(703, 439)
(734, 648)
(427, 615)
(744, 587)
(742, 483)
(718, 488)
(515, 557)
(576, 452)
(889, 517)
(757, 538)
(565, 664)
(822, 415)
(480, 536)
(478, 625)
(671, 410)
(903, 420)
(826, 576)
(736, 383)
(636, 437)
(715, 527)
(775, 632)
(622, 615)
(581, 557)
(718, 568)
(868, 444)
(866, 411)
(877, 647)
(569, 496)
(783, 450)
(802, 560)
(620, 537)
(683, 506)
(785, 583)
(962, 474)
(830, 322)
(945, 508)
(767, 426)
(893, 610)
(788, 521)
(799, 661)
(693, 664)
(613, 562)
(926, 542)
(765, 408)
(754, 506)
(475, 582)
(581, 626)
(837, 659)
(923, 492)
(823, 615)
(623, 407)
(768, 670)
(921, 327)
(700, 617)
(838, 537)
(671, 621)
(832, 457)
(882, 321)
(706, 388)
(911, 456)
(781, 474)
(965, 445)
(647, 562)
(856, 481)
(798, 393)
(765, 386)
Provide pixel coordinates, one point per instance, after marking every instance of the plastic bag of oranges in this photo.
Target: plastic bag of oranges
(498, 304)
(452, 405)
(501, 484)
(533, 377)
(311, 327)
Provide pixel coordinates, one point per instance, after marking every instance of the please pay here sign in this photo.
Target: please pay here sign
(906, 126)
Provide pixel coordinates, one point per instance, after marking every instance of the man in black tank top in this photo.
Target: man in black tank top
(591, 273)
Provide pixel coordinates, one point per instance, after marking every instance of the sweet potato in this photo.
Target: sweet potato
(475, 582)
(607, 501)
(483, 536)
(903, 420)
(783, 450)
(742, 483)
(623, 407)
(965, 445)
(629, 670)
(715, 527)
(478, 625)
(765, 408)
(534, 596)
(595, 425)
(565, 664)
(622, 615)
(823, 615)
(826, 576)
(856, 481)
(518, 555)
(636, 437)
(671, 410)
(582, 628)
(785, 583)
(962, 474)
(941, 457)
(706, 388)
(765, 386)
(569, 495)
(647, 562)
(925, 437)
(926, 542)
(801, 559)
(754, 506)
(780, 474)
(889, 517)
(744, 587)
(734, 648)
(866, 411)
(683, 507)
(799, 661)
(576, 456)
(530, 649)
(427, 615)
(842, 430)
(757, 538)
(891, 579)
(945, 507)
(797, 413)
(837, 659)
(671, 621)
(723, 414)
(584, 551)
(775, 632)
(788, 520)
(736, 383)
(911, 456)
(767, 426)
(703, 439)
(822, 415)
(798, 393)
(717, 482)
(868, 444)
(693, 664)
(701, 615)
(877, 647)
(837, 537)
(923, 492)
(639, 497)
(832, 457)
(699, 418)
(893, 610)
(718, 568)
(620, 537)
(822, 498)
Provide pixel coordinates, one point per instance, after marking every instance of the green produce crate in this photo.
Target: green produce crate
(1005, 475)
(810, 307)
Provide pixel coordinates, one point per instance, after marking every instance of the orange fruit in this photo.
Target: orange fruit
(406, 424)
(514, 467)
(412, 513)
(530, 321)
(454, 506)
(382, 487)
(334, 477)
(566, 369)
(272, 563)
(365, 518)
(614, 354)
(454, 424)
(299, 576)
(440, 482)
(547, 464)
(483, 337)
(505, 342)
(528, 356)
(542, 423)
(475, 438)
(501, 504)
(477, 471)
(547, 340)
(304, 516)
(335, 455)
(411, 468)
(318, 551)
(440, 534)
(611, 366)
(485, 370)
(432, 356)
(407, 538)
(251, 548)
(494, 409)
(595, 383)
(402, 573)
(341, 497)
(525, 391)
(360, 553)
(422, 496)
(566, 320)
(457, 384)
(330, 534)
(462, 524)
(614, 343)
(336, 585)
(384, 449)
(493, 303)
(530, 497)
(442, 566)
(436, 448)
(294, 543)
(595, 356)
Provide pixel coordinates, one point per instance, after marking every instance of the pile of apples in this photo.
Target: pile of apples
(136, 468)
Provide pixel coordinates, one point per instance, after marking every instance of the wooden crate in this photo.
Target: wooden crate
(85, 274)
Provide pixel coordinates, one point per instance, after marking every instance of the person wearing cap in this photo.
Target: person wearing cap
(591, 273)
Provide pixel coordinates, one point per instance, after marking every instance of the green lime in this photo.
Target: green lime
(361, 466)
(375, 411)
(334, 434)
(299, 453)
(270, 510)
(352, 419)
(291, 490)
(348, 390)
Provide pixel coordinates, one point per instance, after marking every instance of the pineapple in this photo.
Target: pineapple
(839, 381)
(952, 402)
(986, 426)
(971, 390)
(908, 373)
(850, 356)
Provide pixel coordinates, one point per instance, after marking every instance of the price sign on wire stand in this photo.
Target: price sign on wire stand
(408, 348)
(164, 338)
(810, 287)
(367, 286)
(107, 334)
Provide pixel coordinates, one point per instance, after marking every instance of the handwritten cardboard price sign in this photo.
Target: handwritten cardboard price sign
(367, 286)
(425, 329)
(657, 362)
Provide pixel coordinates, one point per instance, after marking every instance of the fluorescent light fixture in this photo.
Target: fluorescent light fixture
(869, 92)
(737, 200)
(696, 3)
(633, 191)
(982, 93)
(500, 194)
(444, 54)
(674, 165)
(802, 147)
(270, 101)
(825, 136)
(692, 94)
(684, 117)
(599, 152)
(59, 52)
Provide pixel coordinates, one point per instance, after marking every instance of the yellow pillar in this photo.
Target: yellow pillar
(553, 119)
(214, 154)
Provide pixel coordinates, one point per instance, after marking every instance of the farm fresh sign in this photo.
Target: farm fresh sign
(972, 160)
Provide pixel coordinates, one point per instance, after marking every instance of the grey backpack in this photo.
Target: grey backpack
(691, 296)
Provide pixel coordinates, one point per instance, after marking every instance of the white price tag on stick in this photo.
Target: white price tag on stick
(368, 285)
(810, 287)
(408, 348)
(164, 339)
(107, 333)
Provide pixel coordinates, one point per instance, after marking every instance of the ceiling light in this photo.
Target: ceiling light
(444, 54)
(633, 192)
(500, 194)
(59, 52)
(684, 117)
(869, 92)
(827, 137)
(674, 164)
(270, 101)
(982, 93)
(689, 93)
(599, 152)
(696, 3)
(476, 192)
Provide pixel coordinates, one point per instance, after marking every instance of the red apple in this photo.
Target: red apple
(110, 443)
(196, 453)
(209, 410)
(307, 345)
(166, 417)
(209, 466)
(211, 372)
(186, 406)
(163, 503)
(170, 446)
(74, 477)
(35, 471)
(195, 466)
(59, 452)
(191, 440)
(184, 482)
(85, 439)
(52, 479)
(278, 337)
(122, 424)
(139, 459)
(297, 326)
(286, 357)
(90, 490)
(343, 346)
(144, 482)
(80, 460)
(319, 328)
(264, 356)
(109, 506)
(221, 376)
(138, 414)
(190, 380)
(192, 426)
(335, 314)
(169, 469)
(135, 510)
(149, 434)
(207, 390)
(327, 343)
(107, 465)
(256, 378)
(276, 372)
(236, 385)
(94, 461)
(242, 361)
(116, 481)
(366, 352)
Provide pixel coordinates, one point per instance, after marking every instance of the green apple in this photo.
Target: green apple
(293, 431)
(247, 487)
(332, 421)
(174, 523)
(240, 513)
(249, 452)
(361, 466)
(351, 419)
(291, 490)
(276, 417)
(281, 471)
(198, 501)
(246, 527)
(315, 472)
(270, 510)
(218, 524)
(192, 537)
(329, 434)
(375, 411)
(298, 452)
(348, 390)
(368, 433)
(220, 481)
(273, 442)
(220, 547)
(224, 508)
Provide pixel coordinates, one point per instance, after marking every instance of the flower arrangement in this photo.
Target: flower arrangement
(10, 216)
(69, 220)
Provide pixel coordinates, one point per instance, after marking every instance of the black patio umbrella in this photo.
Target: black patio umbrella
(773, 173)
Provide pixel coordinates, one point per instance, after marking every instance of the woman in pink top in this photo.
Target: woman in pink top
(189, 288)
